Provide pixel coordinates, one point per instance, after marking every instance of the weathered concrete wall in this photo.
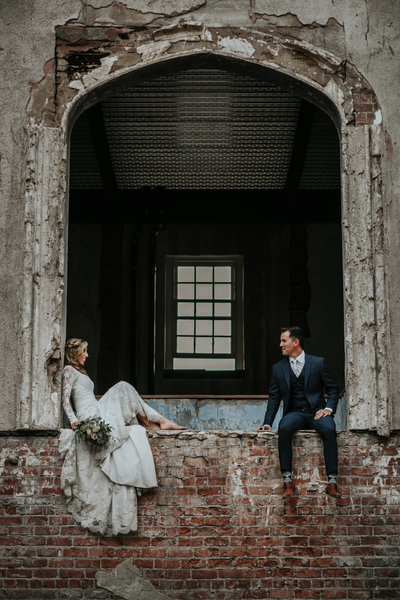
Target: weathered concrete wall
(215, 528)
(24, 62)
(238, 414)
(363, 33)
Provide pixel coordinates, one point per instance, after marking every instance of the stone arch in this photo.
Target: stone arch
(86, 66)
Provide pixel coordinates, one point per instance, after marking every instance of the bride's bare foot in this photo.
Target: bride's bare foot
(146, 423)
(167, 424)
(151, 425)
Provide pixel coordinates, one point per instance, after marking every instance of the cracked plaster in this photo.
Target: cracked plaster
(134, 13)
(125, 581)
(95, 75)
(237, 46)
(308, 12)
(319, 67)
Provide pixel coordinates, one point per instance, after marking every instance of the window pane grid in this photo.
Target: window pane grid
(204, 310)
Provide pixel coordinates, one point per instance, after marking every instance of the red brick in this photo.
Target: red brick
(45, 574)
(154, 552)
(201, 540)
(97, 552)
(76, 552)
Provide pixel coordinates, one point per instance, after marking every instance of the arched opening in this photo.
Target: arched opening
(204, 214)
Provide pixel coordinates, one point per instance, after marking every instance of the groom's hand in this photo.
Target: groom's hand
(324, 412)
(264, 428)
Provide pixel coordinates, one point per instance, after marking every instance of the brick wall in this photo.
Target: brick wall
(217, 527)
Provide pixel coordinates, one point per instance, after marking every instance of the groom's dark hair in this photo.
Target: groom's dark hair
(296, 333)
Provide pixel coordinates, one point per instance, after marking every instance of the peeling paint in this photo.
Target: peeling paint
(187, 32)
(77, 84)
(378, 117)
(153, 50)
(127, 582)
(331, 62)
(239, 488)
(136, 13)
(335, 92)
(207, 35)
(272, 50)
(101, 72)
(95, 75)
(307, 12)
(238, 46)
(161, 7)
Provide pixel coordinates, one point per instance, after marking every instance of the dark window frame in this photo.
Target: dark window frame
(171, 314)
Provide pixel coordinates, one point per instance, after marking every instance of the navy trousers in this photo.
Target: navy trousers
(295, 420)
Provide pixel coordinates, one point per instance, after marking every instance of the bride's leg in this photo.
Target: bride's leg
(162, 424)
(150, 418)
(146, 423)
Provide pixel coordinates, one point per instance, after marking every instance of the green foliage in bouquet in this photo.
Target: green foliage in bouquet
(93, 431)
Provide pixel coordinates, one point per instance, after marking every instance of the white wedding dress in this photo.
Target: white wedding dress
(101, 485)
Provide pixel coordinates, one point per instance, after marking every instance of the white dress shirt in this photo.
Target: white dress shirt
(297, 364)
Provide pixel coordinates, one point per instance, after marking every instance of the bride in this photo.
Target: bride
(102, 485)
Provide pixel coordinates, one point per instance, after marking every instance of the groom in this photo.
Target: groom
(299, 380)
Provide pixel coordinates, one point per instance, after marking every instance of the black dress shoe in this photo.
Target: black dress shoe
(288, 489)
(332, 490)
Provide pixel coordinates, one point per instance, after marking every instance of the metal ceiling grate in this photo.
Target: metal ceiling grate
(205, 129)
(321, 170)
(201, 129)
(84, 168)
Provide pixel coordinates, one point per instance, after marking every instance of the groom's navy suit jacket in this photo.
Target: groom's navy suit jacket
(317, 378)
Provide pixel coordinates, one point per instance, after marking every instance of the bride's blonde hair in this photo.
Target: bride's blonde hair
(73, 348)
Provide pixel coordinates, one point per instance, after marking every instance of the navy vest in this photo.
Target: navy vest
(298, 400)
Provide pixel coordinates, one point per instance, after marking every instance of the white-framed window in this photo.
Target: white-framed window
(204, 313)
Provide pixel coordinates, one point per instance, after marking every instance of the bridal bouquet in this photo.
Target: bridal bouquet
(94, 431)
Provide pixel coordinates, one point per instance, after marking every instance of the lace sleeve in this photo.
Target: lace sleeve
(70, 375)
